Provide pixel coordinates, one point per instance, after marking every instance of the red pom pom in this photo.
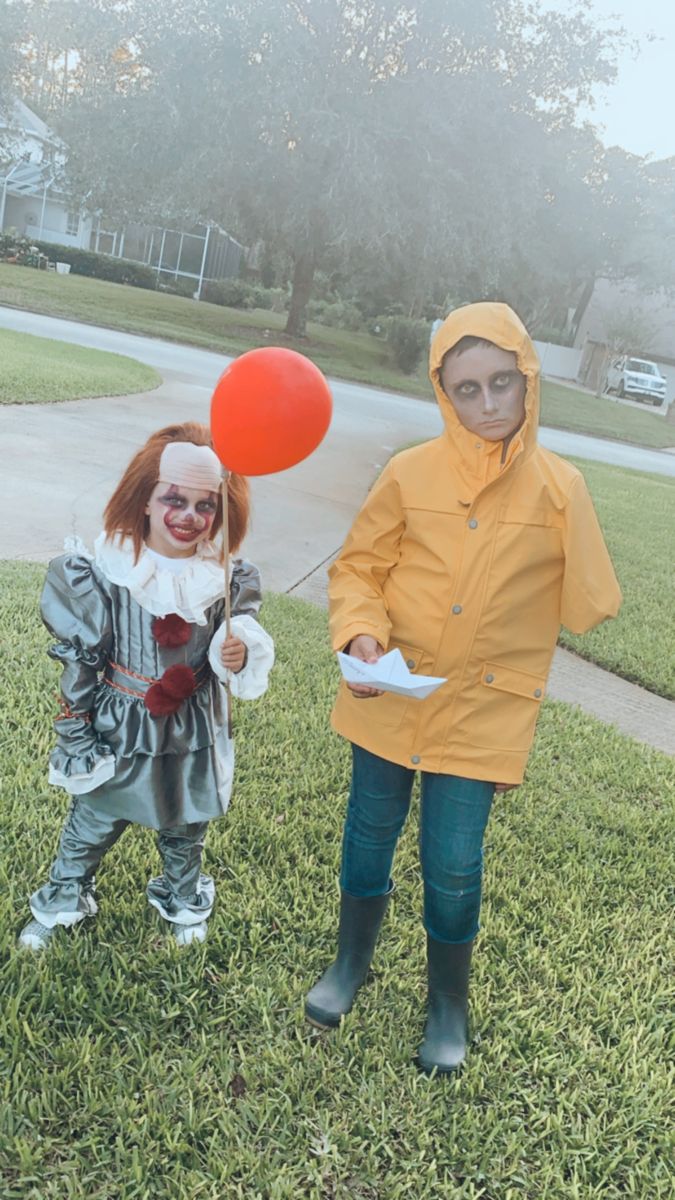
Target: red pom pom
(159, 703)
(166, 696)
(170, 631)
(179, 681)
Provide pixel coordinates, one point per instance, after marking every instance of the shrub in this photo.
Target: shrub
(231, 293)
(101, 266)
(237, 293)
(260, 297)
(178, 285)
(407, 340)
(338, 314)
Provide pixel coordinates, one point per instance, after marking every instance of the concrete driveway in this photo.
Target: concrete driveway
(62, 461)
(354, 403)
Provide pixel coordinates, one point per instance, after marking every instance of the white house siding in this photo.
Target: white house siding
(24, 213)
(34, 143)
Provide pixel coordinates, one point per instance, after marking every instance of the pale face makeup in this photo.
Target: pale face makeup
(486, 390)
(179, 518)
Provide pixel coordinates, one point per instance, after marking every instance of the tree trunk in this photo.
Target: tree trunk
(303, 278)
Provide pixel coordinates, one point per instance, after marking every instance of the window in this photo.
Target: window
(72, 223)
(640, 366)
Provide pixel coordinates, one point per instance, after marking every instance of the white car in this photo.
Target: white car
(637, 379)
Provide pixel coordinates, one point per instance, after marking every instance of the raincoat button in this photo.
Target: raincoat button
(473, 523)
(456, 608)
(415, 759)
(537, 692)
(410, 663)
(489, 678)
(479, 445)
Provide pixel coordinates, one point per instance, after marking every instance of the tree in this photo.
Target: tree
(11, 37)
(337, 135)
(432, 140)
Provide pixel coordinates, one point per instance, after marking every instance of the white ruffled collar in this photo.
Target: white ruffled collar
(159, 591)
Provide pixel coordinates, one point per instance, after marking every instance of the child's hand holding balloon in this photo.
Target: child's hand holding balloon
(233, 654)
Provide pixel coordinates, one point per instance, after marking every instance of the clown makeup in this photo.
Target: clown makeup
(179, 518)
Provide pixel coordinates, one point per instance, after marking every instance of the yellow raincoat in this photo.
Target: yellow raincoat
(469, 566)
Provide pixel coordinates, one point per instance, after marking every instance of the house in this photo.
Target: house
(31, 200)
(200, 254)
(33, 203)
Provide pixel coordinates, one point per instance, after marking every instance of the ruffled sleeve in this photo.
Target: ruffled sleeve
(245, 588)
(251, 681)
(245, 602)
(76, 610)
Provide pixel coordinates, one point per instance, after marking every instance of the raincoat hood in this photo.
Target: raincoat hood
(499, 324)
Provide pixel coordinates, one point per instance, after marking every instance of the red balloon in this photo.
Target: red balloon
(270, 409)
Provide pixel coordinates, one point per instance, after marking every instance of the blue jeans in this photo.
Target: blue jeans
(453, 818)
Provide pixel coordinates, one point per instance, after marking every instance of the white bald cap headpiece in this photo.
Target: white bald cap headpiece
(190, 466)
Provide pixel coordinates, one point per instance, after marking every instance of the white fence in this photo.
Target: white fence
(558, 362)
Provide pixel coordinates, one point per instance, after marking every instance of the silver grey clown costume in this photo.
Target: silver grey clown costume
(120, 627)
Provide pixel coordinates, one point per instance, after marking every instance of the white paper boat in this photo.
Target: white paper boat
(388, 674)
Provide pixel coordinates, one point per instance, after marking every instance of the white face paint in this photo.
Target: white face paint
(486, 390)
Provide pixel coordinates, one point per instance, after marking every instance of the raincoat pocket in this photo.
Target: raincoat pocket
(508, 708)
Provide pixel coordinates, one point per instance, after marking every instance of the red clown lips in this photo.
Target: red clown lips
(176, 684)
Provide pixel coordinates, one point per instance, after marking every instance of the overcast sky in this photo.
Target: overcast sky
(638, 112)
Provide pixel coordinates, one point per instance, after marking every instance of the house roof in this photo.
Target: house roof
(26, 120)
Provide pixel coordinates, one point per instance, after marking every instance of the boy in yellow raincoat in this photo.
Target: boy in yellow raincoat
(468, 554)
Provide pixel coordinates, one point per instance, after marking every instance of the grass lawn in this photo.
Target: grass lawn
(564, 407)
(136, 1072)
(344, 355)
(637, 513)
(40, 371)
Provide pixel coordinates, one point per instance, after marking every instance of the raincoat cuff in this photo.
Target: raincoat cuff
(343, 637)
(251, 681)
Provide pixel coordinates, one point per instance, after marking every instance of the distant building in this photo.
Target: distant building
(32, 159)
(610, 301)
(31, 200)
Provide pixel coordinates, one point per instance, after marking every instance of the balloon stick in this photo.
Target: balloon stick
(226, 564)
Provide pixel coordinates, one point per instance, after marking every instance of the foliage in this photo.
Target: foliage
(136, 1071)
(338, 314)
(40, 371)
(177, 285)
(333, 139)
(238, 293)
(407, 339)
(82, 262)
(637, 514)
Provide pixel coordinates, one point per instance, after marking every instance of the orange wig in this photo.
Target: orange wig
(125, 511)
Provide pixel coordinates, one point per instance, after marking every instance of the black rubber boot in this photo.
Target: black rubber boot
(332, 997)
(446, 1032)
